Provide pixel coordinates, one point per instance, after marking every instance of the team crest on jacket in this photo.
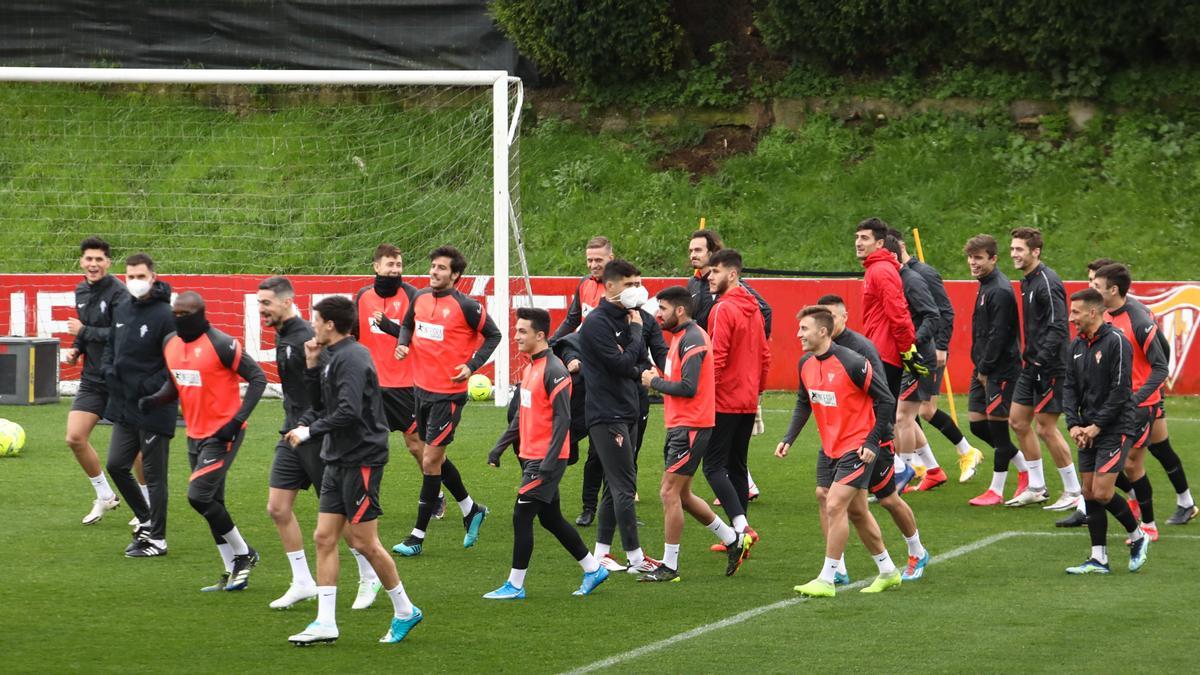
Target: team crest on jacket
(197, 352)
(1099, 355)
(145, 329)
(830, 376)
(445, 312)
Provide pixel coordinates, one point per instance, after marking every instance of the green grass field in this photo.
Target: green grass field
(71, 602)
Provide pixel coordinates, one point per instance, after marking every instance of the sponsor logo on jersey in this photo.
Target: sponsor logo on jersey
(431, 331)
(821, 397)
(526, 398)
(187, 378)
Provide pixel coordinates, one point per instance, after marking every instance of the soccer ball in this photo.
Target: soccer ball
(479, 387)
(12, 438)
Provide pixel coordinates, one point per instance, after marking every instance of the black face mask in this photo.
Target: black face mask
(191, 326)
(386, 287)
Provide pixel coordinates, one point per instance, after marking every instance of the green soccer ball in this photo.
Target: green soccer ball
(12, 438)
(479, 387)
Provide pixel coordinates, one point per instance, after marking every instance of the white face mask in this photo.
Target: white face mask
(139, 288)
(634, 296)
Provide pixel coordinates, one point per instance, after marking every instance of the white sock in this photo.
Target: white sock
(365, 571)
(1082, 506)
(841, 565)
(516, 577)
(898, 464)
(1037, 480)
(602, 549)
(419, 534)
(636, 557)
(1070, 479)
(145, 492)
(226, 552)
(963, 447)
(750, 481)
(915, 549)
(1150, 525)
(671, 556)
(998, 478)
(1100, 554)
(234, 539)
(740, 523)
(327, 605)
(301, 576)
(103, 489)
(1018, 461)
(909, 458)
(884, 562)
(400, 603)
(926, 454)
(1136, 534)
(1184, 499)
(724, 532)
(589, 563)
(466, 505)
(828, 570)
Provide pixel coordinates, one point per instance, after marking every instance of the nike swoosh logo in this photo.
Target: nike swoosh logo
(150, 439)
(560, 379)
(209, 460)
(1078, 355)
(522, 501)
(120, 325)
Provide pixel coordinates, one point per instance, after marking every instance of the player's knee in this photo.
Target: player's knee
(669, 496)
(1018, 424)
(279, 513)
(76, 441)
(199, 502)
(327, 539)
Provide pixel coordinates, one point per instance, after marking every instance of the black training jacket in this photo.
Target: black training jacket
(995, 341)
(1098, 389)
(1044, 304)
(94, 305)
(925, 316)
(937, 288)
(347, 406)
(611, 351)
(290, 364)
(134, 365)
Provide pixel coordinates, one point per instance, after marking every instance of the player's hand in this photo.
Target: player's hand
(912, 362)
(401, 352)
(146, 404)
(312, 352)
(297, 436)
(1090, 433)
(70, 356)
(74, 326)
(461, 374)
(941, 358)
(493, 458)
(377, 317)
(574, 365)
(982, 379)
(1074, 433)
(866, 454)
(781, 450)
(229, 430)
(635, 317)
(647, 378)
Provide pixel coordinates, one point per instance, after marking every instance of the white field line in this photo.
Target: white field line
(758, 611)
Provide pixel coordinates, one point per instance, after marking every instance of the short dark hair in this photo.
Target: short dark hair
(280, 286)
(538, 317)
(830, 299)
(877, 226)
(95, 244)
(1117, 275)
(711, 239)
(678, 296)
(1100, 262)
(599, 241)
(458, 263)
(981, 242)
(892, 244)
(1030, 235)
(727, 257)
(619, 268)
(897, 234)
(822, 316)
(1090, 296)
(386, 251)
(140, 259)
(340, 310)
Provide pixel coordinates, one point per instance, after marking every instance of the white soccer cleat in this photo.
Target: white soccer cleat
(647, 566)
(99, 508)
(1067, 502)
(1029, 496)
(294, 594)
(316, 633)
(367, 590)
(610, 563)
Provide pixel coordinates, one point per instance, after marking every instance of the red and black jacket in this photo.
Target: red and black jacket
(443, 330)
(850, 400)
(380, 338)
(204, 377)
(687, 383)
(542, 425)
(1150, 366)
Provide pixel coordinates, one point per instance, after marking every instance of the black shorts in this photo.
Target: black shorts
(894, 375)
(883, 471)
(92, 397)
(210, 461)
(913, 388)
(1107, 454)
(438, 416)
(1146, 417)
(1043, 393)
(684, 448)
(847, 470)
(535, 486)
(400, 409)
(1160, 411)
(351, 491)
(994, 399)
(297, 468)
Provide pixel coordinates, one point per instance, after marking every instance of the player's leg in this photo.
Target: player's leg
(155, 460)
(80, 424)
(881, 485)
(615, 443)
(593, 478)
(139, 472)
(716, 471)
(1046, 422)
(331, 520)
(872, 538)
(122, 448)
(671, 494)
(835, 532)
(925, 390)
(525, 510)
(1027, 394)
(211, 461)
(1160, 447)
(969, 457)
(739, 460)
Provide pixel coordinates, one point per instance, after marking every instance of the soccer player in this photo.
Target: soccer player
(448, 335)
(347, 410)
(610, 343)
(1101, 421)
(688, 386)
(543, 426)
(205, 365)
(853, 407)
(134, 365)
(886, 319)
(969, 458)
(995, 353)
(95, 298)
(1038, 394)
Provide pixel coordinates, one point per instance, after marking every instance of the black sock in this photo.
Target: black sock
(523, 515)
(452, 479)
(979, 428)
(1145, 497)
(1170, 461)
(429, 492)
(1123, 483)
(1097, 522)
(1121, 512)
(945, 424)
(1002, 442)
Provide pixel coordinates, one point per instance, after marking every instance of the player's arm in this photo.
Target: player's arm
(655, 344)
(557, 382)
(895, 310)
(720, 337)
(574, 317)
(883, 403)
(478, 319)
(945, 312)
(165, 395)
(1071, 393)
(689, 372)
(1118, 360)
(347, 409)
(1159, 366)
(247, 368)
(511, 435)
(1002, 312)
(764, 360)
(921, 304)
(1054, 322)
(800, 413)
(762, 307)
(408, 325)
(316, 394)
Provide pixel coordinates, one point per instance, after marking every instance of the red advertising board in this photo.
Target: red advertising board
(39, 305)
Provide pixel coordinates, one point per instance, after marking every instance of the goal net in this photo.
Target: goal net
(226, 177)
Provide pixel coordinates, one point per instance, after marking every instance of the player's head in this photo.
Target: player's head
(816, 329)
(675, 307)
(892, 245)
(532, 329)
(1097, 264)
(1113, 282)
(837, 307)
(139, 274)
(869, 236)
(190, 322)
(1087, 310)
(701, 246)
(333, 318)
(1026, 248)
(597, 253)
(446, 265)
(902, 256)
(725, 270)
(981, 255)
(623, 284)
(276, 301)
(95, 257)
(388, 262)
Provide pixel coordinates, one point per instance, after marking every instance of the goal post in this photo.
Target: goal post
(136, 218)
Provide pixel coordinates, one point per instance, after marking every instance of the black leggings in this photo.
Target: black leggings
(551, 517)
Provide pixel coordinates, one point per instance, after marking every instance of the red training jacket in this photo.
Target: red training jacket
(740, 353)
(886, 321)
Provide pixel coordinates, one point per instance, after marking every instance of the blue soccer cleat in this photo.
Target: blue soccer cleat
(411, 546)
(591, 580)
(472, 522)
(1090, 566)
(1138, 551)
(915, 568)
(506, 592)
(841, 579)
(400, 627)
(904, 477)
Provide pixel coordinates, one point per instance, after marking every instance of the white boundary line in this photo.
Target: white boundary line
(758, 611)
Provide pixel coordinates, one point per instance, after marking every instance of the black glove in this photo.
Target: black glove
(912, 362)
(229, 431)
(146, 404)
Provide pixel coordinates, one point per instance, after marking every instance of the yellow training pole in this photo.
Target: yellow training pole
(946, 379)
(702, 222)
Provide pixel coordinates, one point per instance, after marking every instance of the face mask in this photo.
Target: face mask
(191, 326)
(634, 296)
(386, 287)
(138, 288)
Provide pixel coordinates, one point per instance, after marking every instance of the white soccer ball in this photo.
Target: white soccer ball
(12, 438)
(479, 387)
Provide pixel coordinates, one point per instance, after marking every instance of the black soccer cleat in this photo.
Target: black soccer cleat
(146, 549)
(239, 578)
(660, 573)
(737, 552)
(1076, 519)
(1183, 514)
(219, 586)
(586, 517)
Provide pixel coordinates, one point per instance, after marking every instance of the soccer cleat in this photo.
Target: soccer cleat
(841, 579)
(586, 517)
(401, 627)
(1151, 531)
(1135, 507)
(968, 462)
(367, 590)
(1183, 514)
(1090, 566)
(219, 586)
(439, 511)
(902, 478)
(506, 592)
(932, 479)
(1076, 519)
(662, 573)
(816, 589)
(591, 580)
(718, 548)
(140, 534)
(1138, 551)
(989, 498)
(738, 553)
(412, 545)
(293, 595)
(647, 565)
(883, 582)
(1067, 502)
(144, 548)
(472, 521)
(239, 578)
(316, 633)
(918, 471)
(99, 508)
(610, 563)
(1029, 496)
(915, 568)
(1022, 483)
